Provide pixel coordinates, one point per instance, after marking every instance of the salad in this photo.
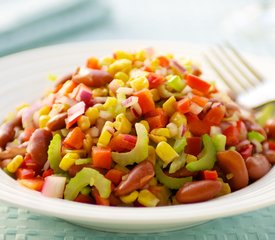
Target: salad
(136, 129)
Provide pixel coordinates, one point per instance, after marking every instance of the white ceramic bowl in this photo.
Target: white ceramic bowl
(23, 79)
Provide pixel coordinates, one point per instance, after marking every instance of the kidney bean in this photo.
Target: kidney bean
(257, 166)
(93, 77)
(198, 191)
(12, 152)
(270, 155)
(7, 134)
(57, 122)
(270, 128)
(138, 177)
(38, 146)
(231, 162)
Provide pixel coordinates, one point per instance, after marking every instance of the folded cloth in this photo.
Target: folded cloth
(32, 23)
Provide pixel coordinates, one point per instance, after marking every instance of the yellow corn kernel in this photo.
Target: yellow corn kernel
(145, 124)
(154, 64)
(122, 124)
(44, 110)
(68, 160)
(130, 198)
(179, 119)
(161, 132)
(15, 163)
(229, 176)
(121, 168)
(153, 182)
(191, 158)
(157, 139)
(92, 113)
(121, 76)
(148, 199)
(100, 92)
(105, 135)
(170, 106)
(151, 154)
(106, 61)
(139, 83)
(88, 143)
(43, 120)
(83, 122)
(155, 94)
(120, 65)
(165, 152)
(141, 55)
(110, 103)
(123, 55)
(225, 189)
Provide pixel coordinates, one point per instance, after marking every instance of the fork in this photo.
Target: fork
(248, 86)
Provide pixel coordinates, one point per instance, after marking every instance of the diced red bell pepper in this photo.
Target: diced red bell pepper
(242, 130)
(194, 146)
(92, 63)
(102, 157)
(232, 135)
(197, 83)
(155, 80)
(210, 175)
(74, 139)
(82, 93)
(47, 173)
(67, 88)
(114, 175)
(32, 183)
(247, 151)
(163, 61)
(157, 118)
(123, 142)
(145, 100)
(29, 163)
(201, 101)
(215, 115)
(99, 200)
(74, 113)
(24, 173)
(82, 198)
(271, 145)
(183, 105)
(198, 127)
(191, 117)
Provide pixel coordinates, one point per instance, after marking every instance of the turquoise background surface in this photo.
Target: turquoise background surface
(189, 21)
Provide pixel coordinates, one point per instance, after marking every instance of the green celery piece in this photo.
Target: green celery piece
(138, 153)
(81, 161)
(54, 153)
(253, 135)
(85, 177)
(207, 161)
(178, 163)
(265, 114)
(180, 144)
(219, 141)
(176, 83)
(170, 182)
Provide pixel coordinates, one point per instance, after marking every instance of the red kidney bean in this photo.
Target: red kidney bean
(57, 122)
(138, 177)
(257, 166)
(38, 146)
(270, 128)
(93, 78)
(270, 155)
(198, 191)
(12, 152)
(7, 134)
(231, 162)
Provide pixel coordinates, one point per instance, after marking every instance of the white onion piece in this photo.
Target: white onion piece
(94, 132)
(136, 110)
(173, 129)
(125, 90)
(195, 108)
(105, 114)
(214, 130)
(66, 100)
(54, 187)
(130, 101)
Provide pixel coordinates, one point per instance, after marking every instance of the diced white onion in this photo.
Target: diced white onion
(130, 101)
(125, 90)
(215, 130)
(54, 186)
(105, 114)
(173, 129)
(195, 108)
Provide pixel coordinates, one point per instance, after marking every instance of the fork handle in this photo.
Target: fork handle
(258, 96)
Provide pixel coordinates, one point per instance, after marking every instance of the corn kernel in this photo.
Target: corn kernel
(179, 119)
(92, 113)
(151, 155)
(161, 132)
(107, 61)
(84, 123)
(43, 121)
(145, 124)
(87, 142)
(130, 198)
(44, 110)
(191, 158)
(170, 106)
(139, 83)
(154, 64)
(225, 189)
(123, 55)
(68, 160)
(155, 94)
(157, 139)
(141, 55)
(122, 124)
(15, 163)
(105, 135)
(121, 76)
(110, 103)
(121, 65)
(100, 92)
(148, 199)
(166, 152)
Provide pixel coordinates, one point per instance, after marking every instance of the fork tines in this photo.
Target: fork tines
(235, 72)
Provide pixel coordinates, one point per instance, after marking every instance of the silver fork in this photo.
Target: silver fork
(244, 81)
